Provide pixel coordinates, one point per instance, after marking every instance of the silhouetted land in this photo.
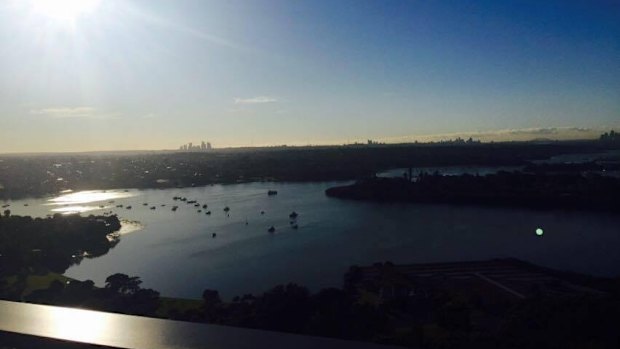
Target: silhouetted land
(570, 191)
(429, 306)
(53, 244)
(38, 250)
(592, 166)
(23, 176)
(487, 304)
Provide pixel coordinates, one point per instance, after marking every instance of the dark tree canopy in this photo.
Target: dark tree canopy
(123, 284)
(54, 243)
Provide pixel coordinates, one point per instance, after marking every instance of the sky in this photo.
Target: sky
(84, 75)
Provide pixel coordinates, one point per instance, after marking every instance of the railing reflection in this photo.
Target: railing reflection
(124, 331)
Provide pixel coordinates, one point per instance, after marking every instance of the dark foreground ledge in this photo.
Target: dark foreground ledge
(124, 331)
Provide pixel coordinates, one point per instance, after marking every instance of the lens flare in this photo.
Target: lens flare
(64, 10)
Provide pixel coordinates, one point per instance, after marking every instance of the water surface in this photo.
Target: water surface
(176, 254)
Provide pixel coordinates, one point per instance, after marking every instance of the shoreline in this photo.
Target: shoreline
(539, 192)
(23, 177)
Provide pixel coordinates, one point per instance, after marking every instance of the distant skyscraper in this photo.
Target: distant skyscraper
(203, 146)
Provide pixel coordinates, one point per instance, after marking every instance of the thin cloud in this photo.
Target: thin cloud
(71, 113)
(255, 100)
(66, 112)
(534, 131)
(519, 134)
(549, 130)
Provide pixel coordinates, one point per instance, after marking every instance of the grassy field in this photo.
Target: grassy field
(166, 305)
(34, 282)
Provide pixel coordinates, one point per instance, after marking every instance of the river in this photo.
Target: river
(175, 253)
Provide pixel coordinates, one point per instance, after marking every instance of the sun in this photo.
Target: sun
(64, 10)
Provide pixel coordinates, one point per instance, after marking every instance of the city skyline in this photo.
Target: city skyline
(137, 75)
(190, 147)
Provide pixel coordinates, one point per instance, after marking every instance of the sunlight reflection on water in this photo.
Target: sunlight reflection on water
(75, 209)
(74, 202)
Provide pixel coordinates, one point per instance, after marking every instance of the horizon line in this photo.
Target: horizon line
(446, 142)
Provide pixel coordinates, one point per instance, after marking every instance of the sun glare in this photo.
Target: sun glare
(65, 10)
(78, 325)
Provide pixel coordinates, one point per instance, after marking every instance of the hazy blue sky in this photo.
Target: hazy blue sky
(149, 74)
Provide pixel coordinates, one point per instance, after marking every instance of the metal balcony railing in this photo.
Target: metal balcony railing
(72, 326)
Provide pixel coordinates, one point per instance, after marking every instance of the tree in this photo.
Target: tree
(211, 297)
(212, 305)
(284, 308)
(144, 302)
(7, 213)
(123, 284)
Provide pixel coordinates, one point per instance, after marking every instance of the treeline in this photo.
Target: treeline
(40, 245)
(574, 168)
(437, 318)
(40, 175)
(571, 191)
(121, 294)
(292, 308)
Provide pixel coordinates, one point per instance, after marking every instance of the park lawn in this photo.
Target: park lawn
(167, 304)
(37, 282)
